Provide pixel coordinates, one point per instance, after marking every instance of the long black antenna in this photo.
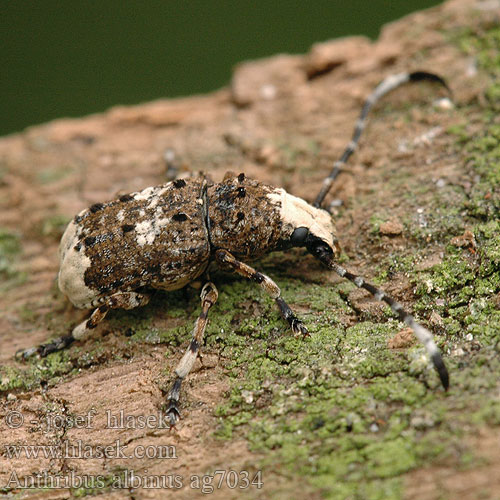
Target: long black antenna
(390, 83)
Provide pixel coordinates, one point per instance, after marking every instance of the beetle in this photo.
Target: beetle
(112, 255)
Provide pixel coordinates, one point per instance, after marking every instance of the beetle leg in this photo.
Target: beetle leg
(208, 296)
(267, 284)
(120, 300)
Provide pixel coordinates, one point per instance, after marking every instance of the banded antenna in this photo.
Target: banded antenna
(389, 84)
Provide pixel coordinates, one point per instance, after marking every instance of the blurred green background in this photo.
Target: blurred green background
(74, 58)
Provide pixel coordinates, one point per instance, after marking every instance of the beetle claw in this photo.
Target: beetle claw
(173, 413)
(299, 328)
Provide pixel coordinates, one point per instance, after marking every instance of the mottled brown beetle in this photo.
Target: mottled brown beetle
(113, 254)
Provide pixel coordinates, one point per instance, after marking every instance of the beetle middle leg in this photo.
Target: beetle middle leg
(267, 284)
(120, 300)
(208, 296)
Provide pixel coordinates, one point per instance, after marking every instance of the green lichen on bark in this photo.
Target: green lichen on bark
(338, 413)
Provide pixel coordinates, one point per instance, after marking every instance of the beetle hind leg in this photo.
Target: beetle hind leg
(121, 300)
(208, 296)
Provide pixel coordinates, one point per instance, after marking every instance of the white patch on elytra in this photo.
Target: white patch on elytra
(162, 222)
(155, 197)
(145, 194)
(298, 213)
(154, 201)
(145, 233)
(120, 216)
(151, 194)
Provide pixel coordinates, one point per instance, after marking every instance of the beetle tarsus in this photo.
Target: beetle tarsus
(173, 413)
(56, 345)
(299, 328)
(44, 350)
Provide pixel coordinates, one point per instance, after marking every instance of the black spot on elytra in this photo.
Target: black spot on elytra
(154, 269)
(78, 219)
(117, 284)
(180, 217)
(240, 215)
(241, 192)
(77, 247)
(127, 228)
(241, 177)
(89, 241)
(179, 183)
(126, 197)
(96, 207)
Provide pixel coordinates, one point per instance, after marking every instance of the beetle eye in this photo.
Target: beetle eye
(299, 236)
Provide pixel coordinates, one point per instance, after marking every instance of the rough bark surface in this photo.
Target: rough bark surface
(282, 120)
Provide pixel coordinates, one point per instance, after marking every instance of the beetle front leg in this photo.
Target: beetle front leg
(267, 284)
(121, 300)
(208, 296)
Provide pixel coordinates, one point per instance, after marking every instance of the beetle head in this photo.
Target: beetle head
(303, 224)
